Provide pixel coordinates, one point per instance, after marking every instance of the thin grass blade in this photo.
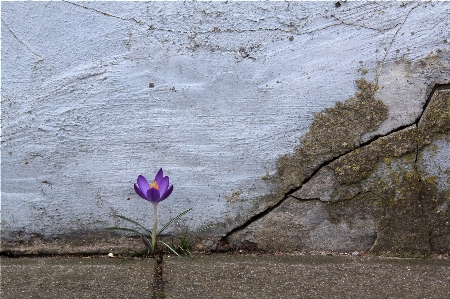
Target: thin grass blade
(200, 230)
(170, 248)
(124, 229)
(143, 237)
(172, 220)
(134, 222)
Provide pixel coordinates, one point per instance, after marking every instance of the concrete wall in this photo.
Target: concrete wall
(225, 97)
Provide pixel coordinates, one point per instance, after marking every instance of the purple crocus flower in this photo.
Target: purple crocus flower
(153, 192)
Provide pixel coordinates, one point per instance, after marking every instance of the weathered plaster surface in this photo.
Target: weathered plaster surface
(395, 188)
(95, 93)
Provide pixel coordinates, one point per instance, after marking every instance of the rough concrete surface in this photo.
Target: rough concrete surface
(54, 278)
(78, 245)
(304, 277)
(226, 276)
(318, 125)
(382, 196)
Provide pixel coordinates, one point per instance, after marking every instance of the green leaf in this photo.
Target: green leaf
(143, 237)
(170, 248)
(125, 229)
(200, 230)
(172, 220)
(134, 222)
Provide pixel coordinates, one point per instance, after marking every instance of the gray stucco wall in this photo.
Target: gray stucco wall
(96, 93)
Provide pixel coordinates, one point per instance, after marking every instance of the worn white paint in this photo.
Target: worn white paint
(236, 85)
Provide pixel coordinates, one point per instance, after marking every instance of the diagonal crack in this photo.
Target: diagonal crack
(104, 12)
(359, 25)
(20, 41)
(392, 42)
(329, 161)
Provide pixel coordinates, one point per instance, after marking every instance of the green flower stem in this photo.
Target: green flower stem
(155, 224)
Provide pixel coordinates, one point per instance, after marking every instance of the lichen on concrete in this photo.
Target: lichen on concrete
(415, 218)
(388, 169)
(360, 163)
(378, 195)
(333, 132)
(436, 118)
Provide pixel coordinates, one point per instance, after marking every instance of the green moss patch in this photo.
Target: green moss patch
(333, 132)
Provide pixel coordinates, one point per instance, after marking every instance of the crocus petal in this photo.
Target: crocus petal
(139, 192)
(153, 195)
(143, 184)
(163, 185)
(167, 193)
(159, 176)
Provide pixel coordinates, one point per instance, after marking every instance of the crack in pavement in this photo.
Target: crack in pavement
(159, 283)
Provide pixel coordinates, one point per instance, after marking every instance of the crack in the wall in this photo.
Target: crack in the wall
(436, 87)
(217, 30)
(20, 41)
(416, 154)
(380, 68)
(360, 25)
(105, 13)
(400, 128)
(151, 27)
(290, 192)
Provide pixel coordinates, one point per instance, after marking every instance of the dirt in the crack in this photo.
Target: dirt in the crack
(158, 284)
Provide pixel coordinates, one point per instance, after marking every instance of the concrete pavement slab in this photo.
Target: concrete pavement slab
(226, 276)
(76, 278)
(286, 276)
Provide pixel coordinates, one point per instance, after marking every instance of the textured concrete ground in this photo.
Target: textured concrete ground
(76, 278)
(226, 276)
